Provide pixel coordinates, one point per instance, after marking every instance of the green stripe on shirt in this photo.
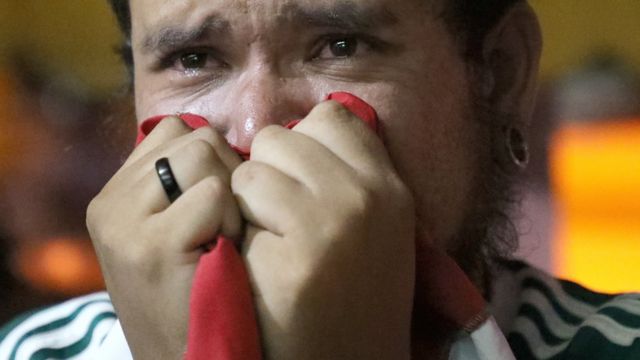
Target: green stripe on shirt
(75, 348)
(611, 330)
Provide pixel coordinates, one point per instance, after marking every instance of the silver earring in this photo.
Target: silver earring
(516, 149)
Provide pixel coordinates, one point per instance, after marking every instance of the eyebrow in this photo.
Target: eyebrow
(170, 37)
(345, 16)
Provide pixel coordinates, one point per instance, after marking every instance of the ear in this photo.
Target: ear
(511, 53)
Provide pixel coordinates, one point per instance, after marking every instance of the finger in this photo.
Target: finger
(190, 164)
(169, 128)
(229, 158)
(264, 251)
(298, 156)
(204, 211)
(144, 168)
(346, 135)
(195, 161)
(268, 198)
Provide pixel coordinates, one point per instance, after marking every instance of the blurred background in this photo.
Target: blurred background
(66, 126)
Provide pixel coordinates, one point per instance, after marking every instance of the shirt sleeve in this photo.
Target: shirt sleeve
(485, 343)
(75, 329)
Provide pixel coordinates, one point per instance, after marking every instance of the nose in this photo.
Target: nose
(260, 98)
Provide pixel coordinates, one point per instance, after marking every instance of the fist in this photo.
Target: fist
(148, 247)
(330, 240)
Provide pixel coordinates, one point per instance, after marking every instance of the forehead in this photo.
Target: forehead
(149, 15)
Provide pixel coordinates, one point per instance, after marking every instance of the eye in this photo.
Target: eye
(338, 48)
(343, 48)
(193, 61)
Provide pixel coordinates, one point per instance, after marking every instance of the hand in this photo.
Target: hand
(330, 241)
(148, 248)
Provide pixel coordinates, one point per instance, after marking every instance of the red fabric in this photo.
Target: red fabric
(193, 121)
(443, 290)
(222, 322)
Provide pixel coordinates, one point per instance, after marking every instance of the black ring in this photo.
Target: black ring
(168, 181)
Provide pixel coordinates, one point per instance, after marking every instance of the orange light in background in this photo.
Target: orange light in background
(595, 171)
(67, 266)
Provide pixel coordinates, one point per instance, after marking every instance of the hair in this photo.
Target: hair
(490, 219)
(471, 20)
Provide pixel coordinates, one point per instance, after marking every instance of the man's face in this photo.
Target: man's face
(245, 64)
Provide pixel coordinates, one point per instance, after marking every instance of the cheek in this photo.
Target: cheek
(432, 138)
(146, 101)
(154, 97)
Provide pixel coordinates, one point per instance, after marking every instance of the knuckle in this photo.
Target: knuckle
(404, 196)
(97, 212)
(146, 246)
(241, 172)
(362, 199)
(212, 187)
(351, 211)
(201, 151)
(210, 135)
(92, 213)
(142, 258)
(268, 134)
(101, 234)
(245, 174)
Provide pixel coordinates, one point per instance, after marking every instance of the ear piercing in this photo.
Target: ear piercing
(516, 149)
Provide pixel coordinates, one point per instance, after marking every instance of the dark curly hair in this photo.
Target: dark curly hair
(469, 19)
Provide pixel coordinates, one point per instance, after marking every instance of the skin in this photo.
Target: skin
(316, 206)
